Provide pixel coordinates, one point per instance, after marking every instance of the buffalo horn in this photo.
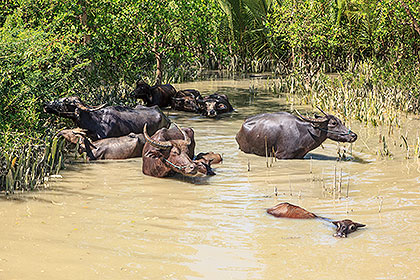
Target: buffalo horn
(154, 143)
(82, 106)
(186, 138)
(83, 134)
(320, 120)
(322, 111)
(98, 107)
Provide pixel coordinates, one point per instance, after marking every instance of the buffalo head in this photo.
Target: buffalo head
(215, 104)
(67, 107)
(333, 126)
(186, 100)
(205, 160)
(142, 91)
(208, 158)
(165, 153)
(78, 136)
(345, 227)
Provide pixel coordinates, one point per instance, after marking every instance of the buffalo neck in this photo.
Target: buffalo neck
(91, 122)
(318, 134)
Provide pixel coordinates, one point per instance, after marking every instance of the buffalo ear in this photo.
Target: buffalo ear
(359, 225)
(335, 223)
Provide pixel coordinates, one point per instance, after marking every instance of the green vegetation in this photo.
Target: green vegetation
(98, 49)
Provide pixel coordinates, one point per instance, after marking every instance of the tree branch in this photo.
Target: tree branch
(410, 15)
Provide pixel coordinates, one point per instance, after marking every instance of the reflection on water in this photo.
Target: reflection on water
(106, 220)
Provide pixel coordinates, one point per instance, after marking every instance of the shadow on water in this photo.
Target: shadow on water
(201, 180)
(315, 156)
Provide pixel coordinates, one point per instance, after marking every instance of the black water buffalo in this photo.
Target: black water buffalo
(214, 105)
(129, 146)
(160, 95)
(288, 136)
(287, 210)
(186, 100)
(112, 121)
(171, 151)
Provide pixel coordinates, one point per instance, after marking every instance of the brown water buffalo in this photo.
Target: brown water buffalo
(170, 151)
(112, 121)
(205, 160)
(287, 210)
(186, 100)
(123, 147)
(288, 136)
(160, 95)
(208, 158)
(213, 105)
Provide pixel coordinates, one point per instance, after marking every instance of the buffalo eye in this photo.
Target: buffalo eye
(222, 106)
(333, 123)
(352, 227)
(175, 151)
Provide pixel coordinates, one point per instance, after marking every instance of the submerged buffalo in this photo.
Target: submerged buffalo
(290, 137)
(112, 121)
(171, 151)
(208, 158)
(190, 100)
(129, 146)
(160, 95)
(287, 210)
(186, 100)
(213, 105)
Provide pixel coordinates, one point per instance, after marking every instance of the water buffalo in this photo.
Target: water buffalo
(170, 151)
(112, 121)
(123, 147)
(288, 136)
(214, 105)
(160, 95)
(208, 158)
(186, 100)
(205, 160)
(287, 210)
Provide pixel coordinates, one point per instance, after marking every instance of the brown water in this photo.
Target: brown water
(106, 220)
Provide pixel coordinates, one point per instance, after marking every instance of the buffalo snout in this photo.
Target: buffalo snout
(55, 107)
(211, 113)
(353, 137)
(190, 169)
(345, 136)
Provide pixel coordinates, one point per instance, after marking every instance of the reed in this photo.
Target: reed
(380, 202)
(27, 166)
(407, 147)
(417, 148)
(358, 95)
(384, 152)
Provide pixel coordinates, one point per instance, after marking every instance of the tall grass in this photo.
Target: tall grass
(26, 166)
(358, 95)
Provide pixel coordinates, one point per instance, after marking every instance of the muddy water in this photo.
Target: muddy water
(106, 220)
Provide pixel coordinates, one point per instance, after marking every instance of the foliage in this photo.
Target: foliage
(338, 34)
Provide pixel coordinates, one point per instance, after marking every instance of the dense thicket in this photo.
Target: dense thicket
(52, 48)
